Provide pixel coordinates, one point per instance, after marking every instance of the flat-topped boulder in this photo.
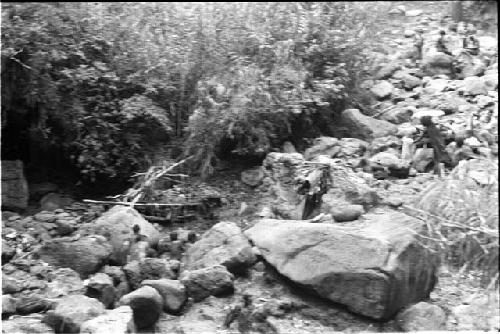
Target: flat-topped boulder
(116, 225)
(223, 244)
(366, 127)
(375, 267)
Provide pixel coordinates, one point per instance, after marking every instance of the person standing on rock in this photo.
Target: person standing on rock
(418, 42)
(441, 44)
(433, 136)
(471, 43)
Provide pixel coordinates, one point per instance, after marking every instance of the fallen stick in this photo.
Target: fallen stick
(155, 219)
(141, 204)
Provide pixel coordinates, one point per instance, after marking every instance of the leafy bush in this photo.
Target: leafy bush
(71, 65)
(463, 222)
(62, 74)
(296, 59)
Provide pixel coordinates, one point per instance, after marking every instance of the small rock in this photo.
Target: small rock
(436, 86)
(146, 303)
(252, 177)
(399, 115)
(328, 146)
(173, 293)
(413, 13)
(33, 304)
(406, 130)
(409, 33)
(394, 201)
(385, 159)
(37, 190)
(382, 90)
(100, 286)
(7, 252)
(223, 244)
(117, 321)
(45, 217)
(65, 227)
(201, 283)
(422, 158)
(483, 101)
(421, 317)
(427, 112)
(9, 305)
(53, 201)
(31, 324)
(149, 268)
(10, 286)
(474, 86)
(387, 71)
(85, 255)
(347, 213)
(288, 147)
(482, 314)
(65, 281)
(71, 312)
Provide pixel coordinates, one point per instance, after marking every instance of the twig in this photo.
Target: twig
(141, 204)
(21, 63)
(450, 223)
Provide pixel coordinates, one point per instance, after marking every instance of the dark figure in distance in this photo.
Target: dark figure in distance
(419, 43)
(433, 136)
(471, 43)
(441, 44)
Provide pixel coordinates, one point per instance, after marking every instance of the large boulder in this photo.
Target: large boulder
(14, 186)
(116, 225)
(474, 86)
(31, 324)
(212, 281)
(436, 63)
(328, 146)
(375, 267)
(366, 127)
(117, 321)
(84, 255)
(348, 186)
(282, 174)
(147, 305)
(71, 312)
(223, 244)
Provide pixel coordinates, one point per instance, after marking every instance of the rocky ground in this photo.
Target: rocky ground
(77, 267)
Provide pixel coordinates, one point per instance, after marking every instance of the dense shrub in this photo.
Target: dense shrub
(90, 78)
(294, 59)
